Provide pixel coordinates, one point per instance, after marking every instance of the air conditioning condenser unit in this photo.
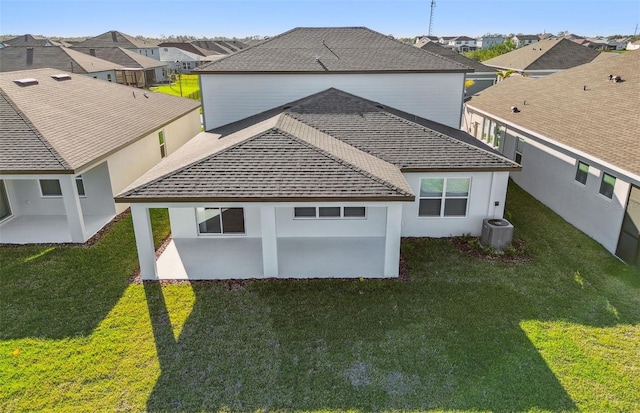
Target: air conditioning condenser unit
(496, 233)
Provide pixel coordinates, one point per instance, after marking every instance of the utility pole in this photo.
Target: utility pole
(433, 7)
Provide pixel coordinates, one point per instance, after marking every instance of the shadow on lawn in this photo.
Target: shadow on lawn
(377, 345)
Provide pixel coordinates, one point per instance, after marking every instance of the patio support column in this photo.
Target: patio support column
(144, 241)
(72, 208)
(392, 240)
(269, 241)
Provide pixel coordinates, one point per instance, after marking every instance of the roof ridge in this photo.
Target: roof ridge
(343, 161)
(36, 132)
(136, 188)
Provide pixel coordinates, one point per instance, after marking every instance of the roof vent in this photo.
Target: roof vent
(26, 81)
(61, 76)
(514, 109)
(114, 37)
(615, 78)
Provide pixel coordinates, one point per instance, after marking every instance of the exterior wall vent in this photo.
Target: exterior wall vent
(28, 81)
(61, 76)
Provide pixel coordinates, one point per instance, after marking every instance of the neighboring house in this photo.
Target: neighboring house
(577, 135)
(220, 46)
(69, 143)
(57, 57)
(461, 43)
(114, 38)
(482, 76)
(357, 60)
(544, 57)
(525, 39)
(325, 186)
(133, 69)
(633, 45)
(29, 40)
(187, 46)
(486, 42)
(179, 60)
(420, 40)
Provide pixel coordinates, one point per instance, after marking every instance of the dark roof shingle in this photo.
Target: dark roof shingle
(337, 49)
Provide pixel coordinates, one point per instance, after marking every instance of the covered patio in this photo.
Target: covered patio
(45, 229)
(310, 257)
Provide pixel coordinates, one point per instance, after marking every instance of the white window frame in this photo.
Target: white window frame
(341, 216)
(43, 195)
(586, 173)
(6, 191)
(162, 141)
(221, 233)
(443, 197)
(613, 190)
(84, 190)
(519, 152)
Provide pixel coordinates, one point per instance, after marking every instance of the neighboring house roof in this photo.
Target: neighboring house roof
(601, 120)
(463, 38)
(115, 38)
(220, 46)
(548, 54)
(526, 37)
(336, 49)
(457, 57)
(29, 40)
(57, 57)
(173, 54)
(331, 145)
(187, 46)
(80, 120)
(122, 57)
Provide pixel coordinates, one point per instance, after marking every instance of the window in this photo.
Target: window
(5, 207)
(220, 220)
(519, 150)
(444, 197)
(184, 65)
(50, 187)
(607, 185)
(163, 149)
(80, 185)
(109, 77)
(329, 212)
(582, 172)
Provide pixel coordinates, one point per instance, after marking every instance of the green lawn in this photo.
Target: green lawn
(559, 333)
(190, 84)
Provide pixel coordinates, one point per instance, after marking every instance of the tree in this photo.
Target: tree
(493, 51)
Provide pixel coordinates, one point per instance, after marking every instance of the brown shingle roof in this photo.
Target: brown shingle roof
(57, 57)
(601, 121)
(23, 147)
(114, 38)
(331, 145)
(548, 54)
(85, 119)
(122, 57)
(336, 49)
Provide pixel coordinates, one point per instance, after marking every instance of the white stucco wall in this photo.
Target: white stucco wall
(104, 75)
(487, 188)
(548, 174)
(131, 162)
(229, 97)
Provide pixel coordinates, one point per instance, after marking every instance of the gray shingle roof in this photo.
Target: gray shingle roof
(122, 57)
(548, 54)
(82, 119)
(457, 57)
(29, 40)
(331, 145)
(57, 57)
(23, 148)
(188, 46)
(601, 121)
(114, 38)
(336, 49)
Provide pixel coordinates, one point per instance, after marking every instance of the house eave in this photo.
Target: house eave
(195, 199)
(487, 169)
(323, 72)
(37, 171)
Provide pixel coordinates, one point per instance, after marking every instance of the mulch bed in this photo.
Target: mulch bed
(516, 254)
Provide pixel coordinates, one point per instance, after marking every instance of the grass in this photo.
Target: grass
(558, 333)
(190, 84)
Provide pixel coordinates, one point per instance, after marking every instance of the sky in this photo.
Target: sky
(242, 18)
